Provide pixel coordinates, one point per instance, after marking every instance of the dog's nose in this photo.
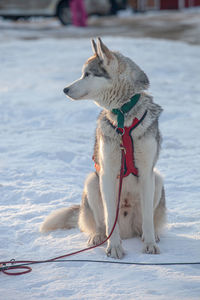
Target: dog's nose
(66, 90)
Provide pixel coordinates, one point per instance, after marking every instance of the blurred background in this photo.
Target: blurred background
(167, 19)
(47, 141)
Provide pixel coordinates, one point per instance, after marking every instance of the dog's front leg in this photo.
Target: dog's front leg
(108, 181)
(147, 197)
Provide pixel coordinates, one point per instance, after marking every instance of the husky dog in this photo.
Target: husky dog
(111, 80)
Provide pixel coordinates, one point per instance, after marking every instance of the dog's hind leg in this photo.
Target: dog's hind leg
(91, 218)
(159, 205)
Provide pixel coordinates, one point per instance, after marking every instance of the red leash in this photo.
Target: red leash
(6, 269)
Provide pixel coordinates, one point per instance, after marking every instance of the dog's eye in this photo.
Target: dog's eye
(86, 74)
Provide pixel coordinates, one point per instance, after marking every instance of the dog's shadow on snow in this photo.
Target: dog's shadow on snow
(173, 248)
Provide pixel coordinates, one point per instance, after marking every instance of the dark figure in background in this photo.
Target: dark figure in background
(114, 7)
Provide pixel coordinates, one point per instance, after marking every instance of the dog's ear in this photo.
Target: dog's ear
(94, 47)
(142, 80)
(103, 52)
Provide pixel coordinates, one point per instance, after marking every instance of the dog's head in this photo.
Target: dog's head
(108, 78)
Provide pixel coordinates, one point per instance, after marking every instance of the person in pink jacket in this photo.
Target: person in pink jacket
(79, 16)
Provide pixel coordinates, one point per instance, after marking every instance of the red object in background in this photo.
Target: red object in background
(190, 3)
(187, 3)
(169, 4)
(176, 4)
(79, 16)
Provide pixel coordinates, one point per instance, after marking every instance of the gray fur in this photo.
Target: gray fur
(94, 46)
(111, 79)
(95, 68)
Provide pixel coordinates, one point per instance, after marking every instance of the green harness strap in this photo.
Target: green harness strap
(125, 109)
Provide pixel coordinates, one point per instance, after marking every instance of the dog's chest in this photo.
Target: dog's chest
(143, 145)
(144, 153)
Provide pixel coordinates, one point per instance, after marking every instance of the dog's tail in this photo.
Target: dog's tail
(64, 218)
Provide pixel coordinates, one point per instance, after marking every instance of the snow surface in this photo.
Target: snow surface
(46, 148)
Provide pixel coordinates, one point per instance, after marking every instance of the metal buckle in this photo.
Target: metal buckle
(118, 131)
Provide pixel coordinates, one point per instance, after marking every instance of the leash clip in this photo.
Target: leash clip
(118, 130)
(12, 261)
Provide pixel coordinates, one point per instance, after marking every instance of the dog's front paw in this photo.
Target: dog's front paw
(96, 239)
(157, 238)
(151, 248)
(115, 251)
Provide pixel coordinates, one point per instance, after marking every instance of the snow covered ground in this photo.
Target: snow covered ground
(45, 155)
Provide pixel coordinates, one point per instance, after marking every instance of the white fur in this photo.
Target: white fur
(64, 218)
(142, 206)
(86, 88)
